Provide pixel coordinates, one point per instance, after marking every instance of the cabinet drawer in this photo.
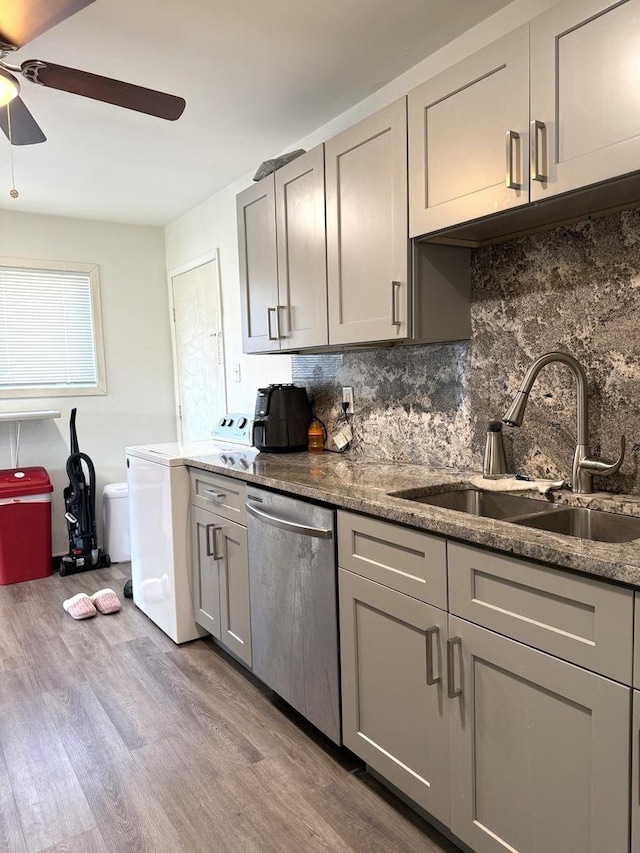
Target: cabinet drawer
(222, 495)
(406, 560)
(584, 621)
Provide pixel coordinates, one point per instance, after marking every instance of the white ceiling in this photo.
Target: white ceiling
(256, 77)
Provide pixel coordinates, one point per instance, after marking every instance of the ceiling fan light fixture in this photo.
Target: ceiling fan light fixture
(9, 87)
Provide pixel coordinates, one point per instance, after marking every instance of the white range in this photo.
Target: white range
(159, 492)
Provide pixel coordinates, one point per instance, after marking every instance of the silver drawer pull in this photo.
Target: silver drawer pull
(214, 496)
(511, 182)
(433, 635)
(451, 689)
(536, 128)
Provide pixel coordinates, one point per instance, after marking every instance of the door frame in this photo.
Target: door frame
(200, 261)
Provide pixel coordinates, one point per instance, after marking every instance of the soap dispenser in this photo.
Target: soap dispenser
(494, 463)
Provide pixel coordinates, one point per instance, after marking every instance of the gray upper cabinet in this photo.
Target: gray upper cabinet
(468, 137)
(540, 750)
(367, 242)
(283, 267)
(258, 266)
(302, 261)
(585, 94)
(550, 108)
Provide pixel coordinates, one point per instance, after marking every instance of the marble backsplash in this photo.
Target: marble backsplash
(576, 289)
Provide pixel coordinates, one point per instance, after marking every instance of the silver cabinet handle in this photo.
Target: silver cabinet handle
(536, 127)
(212, 541)
(451, 646)
(280, 308)
(291, 526)
(277, 334)
(511, 137)
(395, 290)
(211, 548)
(433, 635)
(213, 496)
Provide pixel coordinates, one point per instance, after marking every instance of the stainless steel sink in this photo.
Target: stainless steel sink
(590, 524)
(477, 502)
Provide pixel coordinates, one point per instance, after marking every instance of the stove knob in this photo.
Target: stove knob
(224, 459)
(242, 423)
(230, 422)
(223, 422)
(244, 464)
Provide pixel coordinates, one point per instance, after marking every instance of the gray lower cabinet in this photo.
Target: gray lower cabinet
(539, 749)
(206, 571)
(394, 705)
(509, 717)
(221, 576)
(635, 774)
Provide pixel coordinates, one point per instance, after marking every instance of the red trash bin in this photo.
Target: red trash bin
(25, 524)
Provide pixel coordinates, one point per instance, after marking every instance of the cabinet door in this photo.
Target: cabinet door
(394, 708)
(235, 619)
(258, 267)
(302, 255)
(540, 750)
(367, 242)
(206, 570)
(585, 90)
(468, 137)
(635, 775)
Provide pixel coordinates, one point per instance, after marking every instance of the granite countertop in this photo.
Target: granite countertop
(362, 485)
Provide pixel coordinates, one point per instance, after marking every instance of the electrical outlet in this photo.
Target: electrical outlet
(347, 397)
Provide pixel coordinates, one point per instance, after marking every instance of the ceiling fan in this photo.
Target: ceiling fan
(23, 20)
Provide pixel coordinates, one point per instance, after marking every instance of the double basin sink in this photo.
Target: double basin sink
(592, 524)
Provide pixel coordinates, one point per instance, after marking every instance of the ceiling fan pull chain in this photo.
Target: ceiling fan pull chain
(13, 191)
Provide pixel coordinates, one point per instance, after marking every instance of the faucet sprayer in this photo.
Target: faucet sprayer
(584, 465)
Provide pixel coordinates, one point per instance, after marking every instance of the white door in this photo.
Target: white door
(199, 354)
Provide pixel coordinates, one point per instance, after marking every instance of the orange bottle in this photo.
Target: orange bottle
(315, 436)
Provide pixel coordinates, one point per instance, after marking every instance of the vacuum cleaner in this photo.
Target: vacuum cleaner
(80, 505)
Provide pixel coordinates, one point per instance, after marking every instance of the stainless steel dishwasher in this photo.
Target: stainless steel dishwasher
(294, 621)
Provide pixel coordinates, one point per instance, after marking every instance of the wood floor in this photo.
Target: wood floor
(114, 739)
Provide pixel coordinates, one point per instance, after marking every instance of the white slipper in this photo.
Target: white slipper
(79, 606)
(106, 601)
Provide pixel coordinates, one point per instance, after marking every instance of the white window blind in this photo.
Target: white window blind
(47, 338)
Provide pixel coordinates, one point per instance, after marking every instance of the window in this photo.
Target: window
(50, 329)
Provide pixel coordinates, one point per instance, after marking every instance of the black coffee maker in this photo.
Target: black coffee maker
(282, 418)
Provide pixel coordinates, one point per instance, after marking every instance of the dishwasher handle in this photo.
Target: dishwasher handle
(284, 524)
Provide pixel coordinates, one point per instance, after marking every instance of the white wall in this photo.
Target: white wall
(139, 405)
(212, 224)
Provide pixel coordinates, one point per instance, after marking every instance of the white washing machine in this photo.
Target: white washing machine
(159, 496)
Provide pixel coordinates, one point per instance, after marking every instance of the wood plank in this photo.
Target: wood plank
(11, 836)
(88, 842)
(50, 802)
(370, 818)
(272, 727)
(117, 790)
(132, 709)
(197, 717)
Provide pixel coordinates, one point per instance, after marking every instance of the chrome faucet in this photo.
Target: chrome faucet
(584, 465)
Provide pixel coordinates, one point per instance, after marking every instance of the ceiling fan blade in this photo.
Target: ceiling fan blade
(23, 20)
(24, 128)
(105, 89)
